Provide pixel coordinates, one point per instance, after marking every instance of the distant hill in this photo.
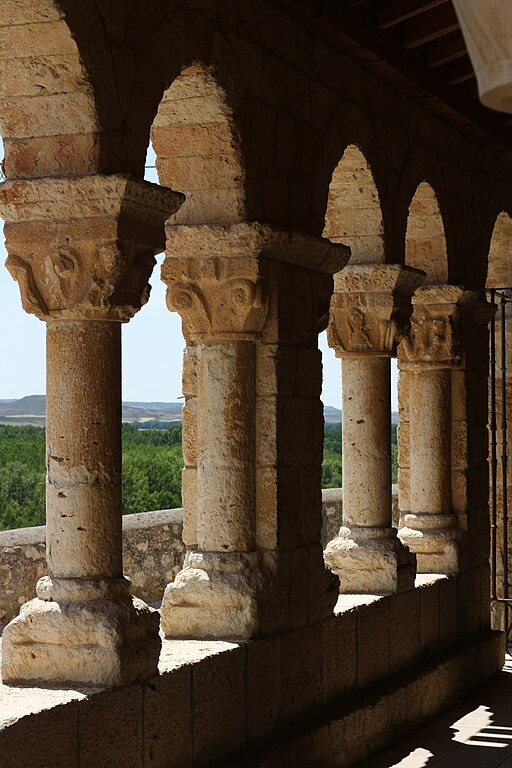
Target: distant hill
(32, 410)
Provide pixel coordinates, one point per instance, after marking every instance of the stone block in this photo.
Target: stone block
(288, 501)
(267, 356)
(29, 40)
(309, 372)
(192, 140)
(468, 604)
(429, 619)
(404, 485)
(373, 641)
(310, 504)
(48, 738)
(218, 706)
(404, 644)
(57, 114)
(266, 431)
(304, 313)
(189, 434)
(448, 613)
(266, 508)
(339, 654)
(48, 156)
(110, 729)
(404, 447)
(168, 720)
(189, 500)
(298, 587)
(263, 688)
(204, 172)
(301, 673)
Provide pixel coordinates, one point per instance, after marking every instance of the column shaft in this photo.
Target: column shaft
(225, 434)
(430, 446)
(366, 442)
(84, 491)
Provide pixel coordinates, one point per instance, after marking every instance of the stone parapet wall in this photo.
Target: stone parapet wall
(328, 694)
(153, 552)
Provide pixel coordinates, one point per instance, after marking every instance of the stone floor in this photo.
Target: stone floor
(475, 734)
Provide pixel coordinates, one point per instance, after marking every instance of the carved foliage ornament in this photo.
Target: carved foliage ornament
(106, 282)
(220, 308)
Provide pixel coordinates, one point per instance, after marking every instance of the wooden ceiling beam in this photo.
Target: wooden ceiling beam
(430, 26)
(450, 50)
(460, 72)
(403, 10)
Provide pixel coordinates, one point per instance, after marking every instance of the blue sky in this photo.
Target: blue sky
(152, 346)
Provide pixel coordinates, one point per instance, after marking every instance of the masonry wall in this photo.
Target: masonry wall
(327, 695)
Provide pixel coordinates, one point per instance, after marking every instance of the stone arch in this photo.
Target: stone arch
(198, 150)
(354, 215)
(425, 240)
(51, 118)
(499, 263)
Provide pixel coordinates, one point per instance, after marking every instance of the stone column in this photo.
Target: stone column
(370, 311)
(82, 251)
(430, 355)
(229, 284)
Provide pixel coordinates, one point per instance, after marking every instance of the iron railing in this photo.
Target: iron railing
(499, 503)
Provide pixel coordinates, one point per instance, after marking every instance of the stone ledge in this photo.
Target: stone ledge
(313, 691)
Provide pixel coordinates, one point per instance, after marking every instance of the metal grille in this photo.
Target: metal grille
(498, 459)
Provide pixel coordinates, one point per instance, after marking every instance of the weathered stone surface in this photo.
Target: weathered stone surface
(370, 561)
(214, 596)
(222, 280)
(435, 346)
(96, 642)
(370, 308)
(434, 339)
(85, 268)
(369, 313)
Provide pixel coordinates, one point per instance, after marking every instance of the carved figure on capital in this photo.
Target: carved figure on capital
(432, 338)
(360, 325)
(370, 308)
(435, 338)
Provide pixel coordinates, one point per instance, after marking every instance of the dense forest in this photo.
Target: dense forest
(152, 464)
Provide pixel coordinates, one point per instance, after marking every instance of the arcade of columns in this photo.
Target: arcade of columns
(252, 298)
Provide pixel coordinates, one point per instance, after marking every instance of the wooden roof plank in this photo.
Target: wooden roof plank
(449, 50)
(403, 10)
(430, 26)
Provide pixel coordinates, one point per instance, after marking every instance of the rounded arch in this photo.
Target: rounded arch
(198, 149)
(57, 93)
(354, 215)
(499, 262)
(425, 240)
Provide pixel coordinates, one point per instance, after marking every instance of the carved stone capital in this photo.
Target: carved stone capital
(216, 275)
(84, 248)
(434, 340)
(370, 309)
(220, 306)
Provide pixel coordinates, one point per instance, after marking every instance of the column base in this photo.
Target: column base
(81, 633)
(371, 561)
(214, 596)
(436, 551)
